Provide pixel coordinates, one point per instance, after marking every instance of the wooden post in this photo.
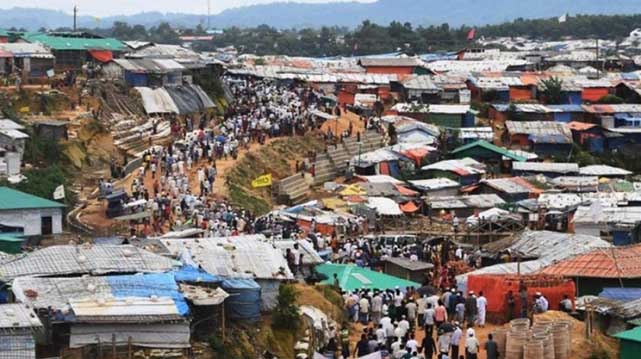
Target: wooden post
(113, 345)
(223, 307)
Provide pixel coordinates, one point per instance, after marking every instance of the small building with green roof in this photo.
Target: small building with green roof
(74, 49)
(27, 215)
(629, 343)
(352, 277)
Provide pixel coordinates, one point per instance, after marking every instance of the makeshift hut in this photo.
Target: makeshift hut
(352, 277)
(496, 287)
(405, 268)
(245, 257)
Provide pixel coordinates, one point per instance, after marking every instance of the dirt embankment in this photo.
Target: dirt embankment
(278, 158)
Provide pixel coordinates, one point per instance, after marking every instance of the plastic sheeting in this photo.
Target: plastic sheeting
(192, 274)
(244, 300)
(143, 335)
(189, 98)
(157, 101)
(623, 294)
(159, 285)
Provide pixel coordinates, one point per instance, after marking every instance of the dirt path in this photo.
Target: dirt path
(94, 214)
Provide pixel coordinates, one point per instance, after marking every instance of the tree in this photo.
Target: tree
(611, 100)
(287, 314)
(553, 90)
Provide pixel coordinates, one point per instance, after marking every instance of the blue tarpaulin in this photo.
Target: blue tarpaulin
(192, 274)
(147, 285)
(623, 294)
(244, 299)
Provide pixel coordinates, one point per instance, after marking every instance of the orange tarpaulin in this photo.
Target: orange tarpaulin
(405, 191)
(409, 207)
(102, 55)
(594, 94)
(416, 154)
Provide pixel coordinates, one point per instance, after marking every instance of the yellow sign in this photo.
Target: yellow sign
(262, 181)
(24, 109)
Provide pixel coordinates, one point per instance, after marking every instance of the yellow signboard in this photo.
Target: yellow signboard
(262, 181)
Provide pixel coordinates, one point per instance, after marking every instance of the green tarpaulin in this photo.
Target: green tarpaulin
(11, 245)
(352, 277)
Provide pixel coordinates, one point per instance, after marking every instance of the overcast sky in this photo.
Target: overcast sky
(120, 7)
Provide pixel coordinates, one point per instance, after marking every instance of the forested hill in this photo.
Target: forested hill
(350, 14)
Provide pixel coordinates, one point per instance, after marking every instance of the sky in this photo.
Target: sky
(127, 7)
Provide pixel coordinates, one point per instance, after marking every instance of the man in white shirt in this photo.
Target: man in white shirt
(386, 322)
(481, 304)
(377, 308)
(471, 347)
(411, 344)
(363, 305)
(381, 334)
(404, 324)
(421, 306)
(456, 340)
(411, 308)
(429, 320)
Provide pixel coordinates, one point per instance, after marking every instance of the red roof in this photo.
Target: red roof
(616, 262)
(409, 207)
(580, 126)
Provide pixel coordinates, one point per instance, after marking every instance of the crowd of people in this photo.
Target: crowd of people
(175, 183)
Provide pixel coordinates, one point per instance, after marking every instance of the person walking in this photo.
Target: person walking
(491, 348)
(481, 305)
(471, 347)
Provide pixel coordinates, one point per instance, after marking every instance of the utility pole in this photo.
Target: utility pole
(75, 16)
(208, 14)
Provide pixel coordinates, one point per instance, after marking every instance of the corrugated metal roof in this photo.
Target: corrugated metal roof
(149, 65)
(74, 42)
(249, 256)
(538, 128)
(71, 259)
(18, 316)
(25, 49)
(603, 170)
(119, 310)
(10, 125)
(462, 167)
(423, 82)
(11, 199)
(14, 134)
(390, 61)
(553, 167)
(460, 202)
(164, 51)
(614, 262)
(434, 184)
(511, 185)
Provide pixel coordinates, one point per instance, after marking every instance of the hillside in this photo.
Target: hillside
(292, 14)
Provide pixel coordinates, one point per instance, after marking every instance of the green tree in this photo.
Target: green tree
(287, 314)
(611, 100)
(552, 90)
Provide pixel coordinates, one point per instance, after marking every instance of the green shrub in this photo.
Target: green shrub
(286, 315)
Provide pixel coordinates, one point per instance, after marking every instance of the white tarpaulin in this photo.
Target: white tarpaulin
(157, 101)
(143, 335)
(384, 206)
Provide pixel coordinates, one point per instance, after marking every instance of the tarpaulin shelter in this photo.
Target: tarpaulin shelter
(409, 207)
(103, 56)
(623, 294)
(352, 277)
(189, 99)
(496, 287)
(244, 300)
